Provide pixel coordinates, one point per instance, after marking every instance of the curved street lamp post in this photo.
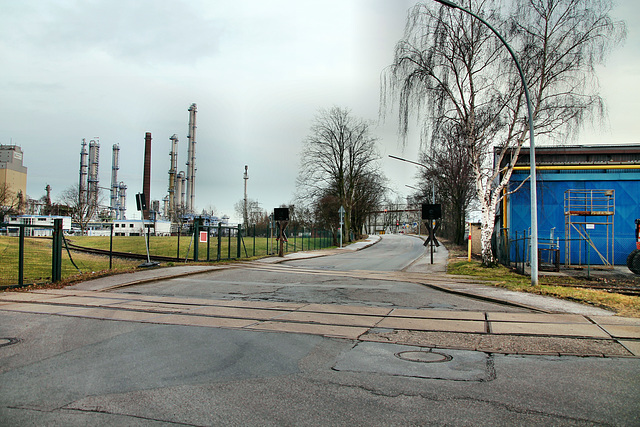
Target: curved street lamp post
(532, 152)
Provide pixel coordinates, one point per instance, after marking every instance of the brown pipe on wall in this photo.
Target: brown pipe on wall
(146, 178)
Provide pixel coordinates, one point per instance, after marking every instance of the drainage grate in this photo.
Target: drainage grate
(8, 341)
(423, 356)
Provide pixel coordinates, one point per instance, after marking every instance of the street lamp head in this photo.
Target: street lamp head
(448, 3)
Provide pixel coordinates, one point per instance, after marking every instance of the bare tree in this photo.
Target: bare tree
(81, 210)
(9, 201)
(339, 159)
(450, 65)
(255, 214)
(449, 175)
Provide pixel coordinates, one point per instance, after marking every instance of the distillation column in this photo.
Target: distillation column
(94, 161)
(173, 171)
(181, 188)
(114, 181)
(82, 183)
(191, 160)
(122, 196)
(146, 176)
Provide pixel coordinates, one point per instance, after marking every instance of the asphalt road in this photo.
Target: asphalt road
(326, 280)
(81, 371)
(393, 253)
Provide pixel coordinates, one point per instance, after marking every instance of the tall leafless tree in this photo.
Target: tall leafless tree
(449, 175)
(339, 160)
(81, 210)
(255, 214)
(450, 69)
(9, 201)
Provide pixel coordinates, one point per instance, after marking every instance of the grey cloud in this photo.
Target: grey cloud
(150, 31)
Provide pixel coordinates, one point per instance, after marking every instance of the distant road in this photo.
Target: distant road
(392, 253)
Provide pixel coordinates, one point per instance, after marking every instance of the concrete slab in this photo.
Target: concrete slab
(387, 359)
(437, 314)
(81, 301)
(35, 308)
(331, 319)
(346, 309)
(111, 314)
(615, 320)
(261, 304)
(537, 318)
(348, 332)
(433, 324)
(152, 306)
(213, 322)
(549, 329)
(22, 296)
(623, 331)
(237, 312)
(632, 346)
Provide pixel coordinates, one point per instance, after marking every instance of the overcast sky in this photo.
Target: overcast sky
(258, 70)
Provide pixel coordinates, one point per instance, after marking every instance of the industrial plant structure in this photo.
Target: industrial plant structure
(181, 197)
(13, 173)
(178, 204)
(89, 180)
(191, 160)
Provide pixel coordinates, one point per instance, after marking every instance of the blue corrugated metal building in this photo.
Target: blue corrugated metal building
(576, 170)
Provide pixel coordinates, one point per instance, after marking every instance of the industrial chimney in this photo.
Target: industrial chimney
(173, 172)
(93, 179)
(191, 160)
(114, 181)
(82, 183)
(146, 178)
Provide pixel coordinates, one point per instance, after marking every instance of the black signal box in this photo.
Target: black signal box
(431, 211)
(281, 214)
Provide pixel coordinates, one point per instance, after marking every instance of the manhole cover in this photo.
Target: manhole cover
(8, 341)
(423, 356)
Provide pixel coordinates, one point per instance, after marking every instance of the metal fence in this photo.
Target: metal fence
(586, 251)
(44, 259)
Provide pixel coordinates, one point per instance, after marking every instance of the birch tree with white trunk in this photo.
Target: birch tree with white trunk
(451, 71)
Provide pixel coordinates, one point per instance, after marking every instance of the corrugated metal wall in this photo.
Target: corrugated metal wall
(551, 189)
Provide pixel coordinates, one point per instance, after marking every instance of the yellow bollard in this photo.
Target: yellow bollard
(469, 247)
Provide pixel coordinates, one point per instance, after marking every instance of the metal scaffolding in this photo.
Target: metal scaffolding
(583, 211)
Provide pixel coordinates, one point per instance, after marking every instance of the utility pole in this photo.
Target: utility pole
(532, 149)
(245, 213)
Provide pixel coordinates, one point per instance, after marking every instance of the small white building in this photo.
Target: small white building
(136, 227)
(34, 221)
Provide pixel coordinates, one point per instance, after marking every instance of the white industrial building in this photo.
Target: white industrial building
(35, 221)
(136, 227)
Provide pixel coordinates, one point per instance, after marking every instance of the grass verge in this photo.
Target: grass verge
(556, 286)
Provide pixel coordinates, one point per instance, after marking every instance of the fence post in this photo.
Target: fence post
(110, 247)
(21, 256)
(219, 242)
(208, 243)
(178, 249)
(56, 255)
(517, 250)
(254, 240)
(196, 238)
(239, 242)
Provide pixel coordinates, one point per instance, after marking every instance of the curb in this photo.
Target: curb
(486, 298)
